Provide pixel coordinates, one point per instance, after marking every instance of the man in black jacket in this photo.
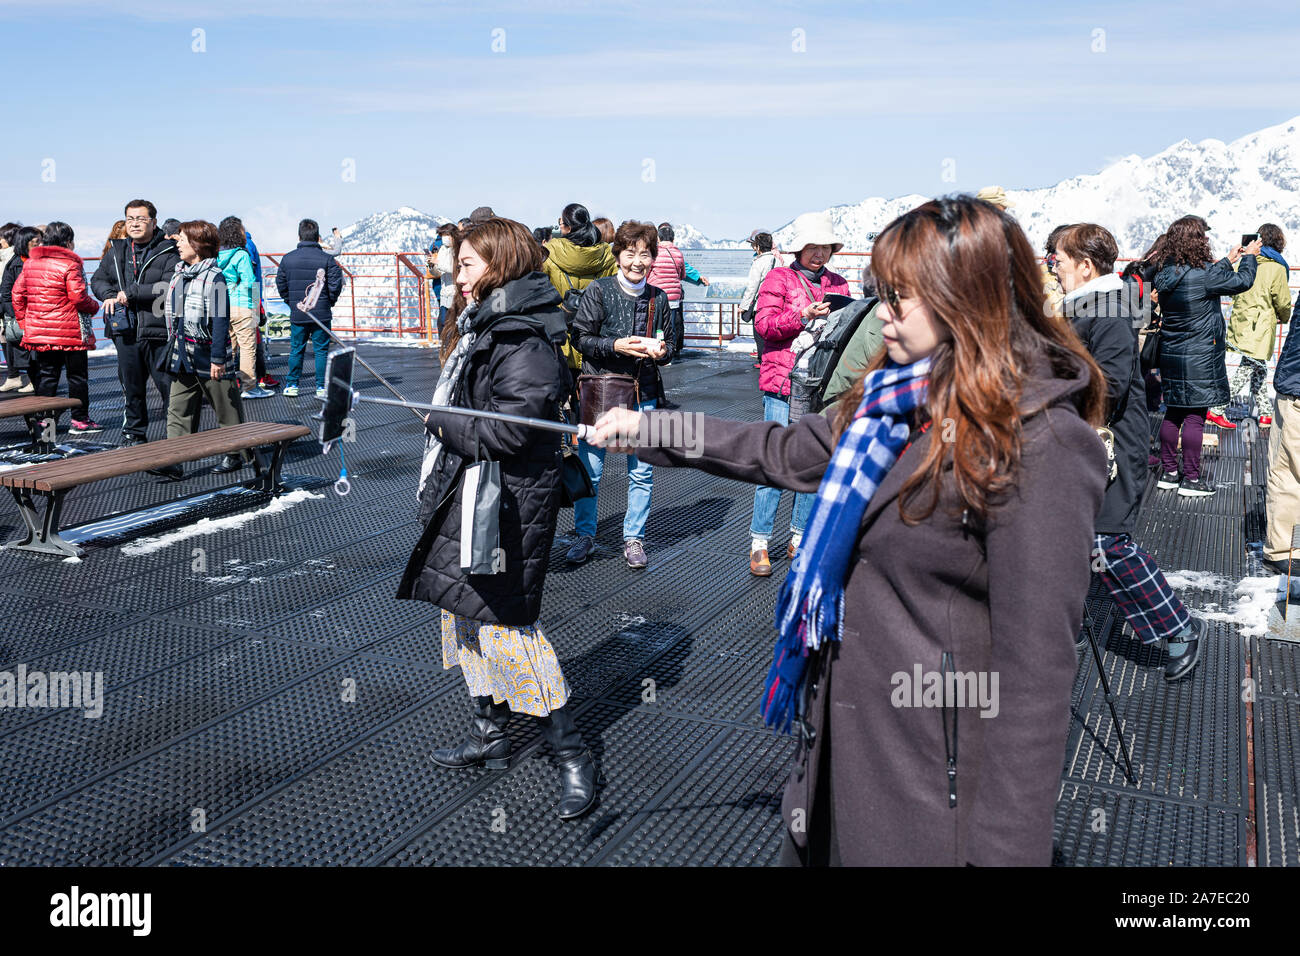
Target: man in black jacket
(1283, 500)
(132, 281)
(296, 274)
(1102, 308)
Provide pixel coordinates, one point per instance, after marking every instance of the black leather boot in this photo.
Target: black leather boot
(577, 768)
(487, 744)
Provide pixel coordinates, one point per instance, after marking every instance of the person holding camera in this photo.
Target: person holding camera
(1192, 345)
(791, 300)
(624, 327)
(1253, 321)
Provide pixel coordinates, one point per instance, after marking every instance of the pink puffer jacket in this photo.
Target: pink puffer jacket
(778, 319)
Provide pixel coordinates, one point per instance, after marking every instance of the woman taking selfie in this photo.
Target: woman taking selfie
(948, 546)
(506, 360)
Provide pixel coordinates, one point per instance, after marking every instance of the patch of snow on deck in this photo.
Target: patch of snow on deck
(1256, 597)
(213, 525)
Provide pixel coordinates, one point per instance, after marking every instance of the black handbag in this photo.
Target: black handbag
(575, 483)
(1149, 358)
(118, 322)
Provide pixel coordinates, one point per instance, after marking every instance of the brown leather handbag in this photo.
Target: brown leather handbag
(597, 394)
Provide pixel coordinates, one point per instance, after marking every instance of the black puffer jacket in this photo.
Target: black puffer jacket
(1193, 334)
(157, 262)
(1287, 377)
(1104, 319)
(513, 367)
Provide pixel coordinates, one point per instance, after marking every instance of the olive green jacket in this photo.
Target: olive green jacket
(1252, 325)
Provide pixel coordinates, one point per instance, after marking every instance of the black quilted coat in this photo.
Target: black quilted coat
(512, 367)
(1193, 335)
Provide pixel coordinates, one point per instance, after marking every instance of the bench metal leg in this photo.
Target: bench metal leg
(42, 537)
(266, 465)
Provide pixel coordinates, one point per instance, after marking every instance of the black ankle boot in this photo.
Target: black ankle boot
(487, 744)
(577, 768)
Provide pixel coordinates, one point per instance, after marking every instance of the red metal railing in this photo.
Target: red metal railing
(387, 294)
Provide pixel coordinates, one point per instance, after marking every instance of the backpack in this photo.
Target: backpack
(826, 351)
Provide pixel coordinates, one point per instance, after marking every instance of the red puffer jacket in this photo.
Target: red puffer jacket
(49, 298)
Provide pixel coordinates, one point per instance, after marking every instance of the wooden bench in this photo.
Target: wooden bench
(34, 408)
(53, 480)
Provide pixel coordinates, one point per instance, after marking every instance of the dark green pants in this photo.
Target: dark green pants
(185, 403)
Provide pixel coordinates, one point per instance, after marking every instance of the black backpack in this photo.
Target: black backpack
(845, 317)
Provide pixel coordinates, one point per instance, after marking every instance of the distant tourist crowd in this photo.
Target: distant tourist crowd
(967, 444)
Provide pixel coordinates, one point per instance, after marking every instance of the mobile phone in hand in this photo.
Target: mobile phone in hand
(1248, 238)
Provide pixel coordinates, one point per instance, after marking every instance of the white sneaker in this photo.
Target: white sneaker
(320, 394)
(12, 384)
(291, 391)
(257, 391)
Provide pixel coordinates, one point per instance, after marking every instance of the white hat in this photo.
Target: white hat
(813, 229)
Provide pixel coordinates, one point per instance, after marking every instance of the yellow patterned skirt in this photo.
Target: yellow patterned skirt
(516, 665)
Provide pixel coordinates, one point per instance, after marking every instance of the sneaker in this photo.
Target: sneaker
(1182, 666)
(27, 389)
(1195, 489)
(1219, 420)
(257, 391)
(759, 564)
(129, 440)
(1265, 421)
(266, 381)
(634, 553)
(85, 428)
(12, 384)
(1168, 480)
(291, 391)
(320, 394)
(581, 549)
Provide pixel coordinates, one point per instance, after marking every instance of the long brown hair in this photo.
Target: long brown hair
(972, 267)
(117, 232)
(509, 251)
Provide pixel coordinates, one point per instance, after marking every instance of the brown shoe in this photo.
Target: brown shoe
(790, 551)
(759, 565)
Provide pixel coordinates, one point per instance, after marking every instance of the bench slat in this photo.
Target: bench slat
(69, 473)
(34, 405)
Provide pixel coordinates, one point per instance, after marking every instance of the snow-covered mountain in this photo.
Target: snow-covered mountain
(402, 230)
(1236, 186)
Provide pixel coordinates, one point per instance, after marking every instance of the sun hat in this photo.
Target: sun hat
(813, 229)
(995, 195)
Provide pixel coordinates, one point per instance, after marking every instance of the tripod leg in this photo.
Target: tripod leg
(1110, 698)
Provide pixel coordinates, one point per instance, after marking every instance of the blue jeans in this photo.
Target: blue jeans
(639, 476)
(767, 499)
(320, 346)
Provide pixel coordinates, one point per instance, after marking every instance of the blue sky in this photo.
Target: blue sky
(750, 112)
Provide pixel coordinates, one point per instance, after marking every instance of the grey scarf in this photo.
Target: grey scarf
(445, 389)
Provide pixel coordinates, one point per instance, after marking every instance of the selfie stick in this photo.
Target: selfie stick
(308, 303)
(309, 300)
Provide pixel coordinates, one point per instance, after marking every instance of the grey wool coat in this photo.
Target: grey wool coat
(874, 786)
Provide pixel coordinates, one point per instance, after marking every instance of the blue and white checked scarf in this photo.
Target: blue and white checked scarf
(811, 604)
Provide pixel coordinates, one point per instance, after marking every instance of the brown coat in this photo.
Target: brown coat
(1007, 600)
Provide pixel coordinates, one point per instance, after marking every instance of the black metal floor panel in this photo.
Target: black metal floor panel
(227, 672)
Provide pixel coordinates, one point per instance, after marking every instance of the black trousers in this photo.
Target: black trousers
(17, 359)
(137, 362)
(45, 368)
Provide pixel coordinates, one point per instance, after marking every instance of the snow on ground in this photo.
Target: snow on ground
(1255, 598)
(206, 526)
(1196, 581)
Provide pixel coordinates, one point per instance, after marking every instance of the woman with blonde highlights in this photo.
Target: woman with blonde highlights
(945, 563)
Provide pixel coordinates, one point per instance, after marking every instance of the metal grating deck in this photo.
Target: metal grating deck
(224, 670)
